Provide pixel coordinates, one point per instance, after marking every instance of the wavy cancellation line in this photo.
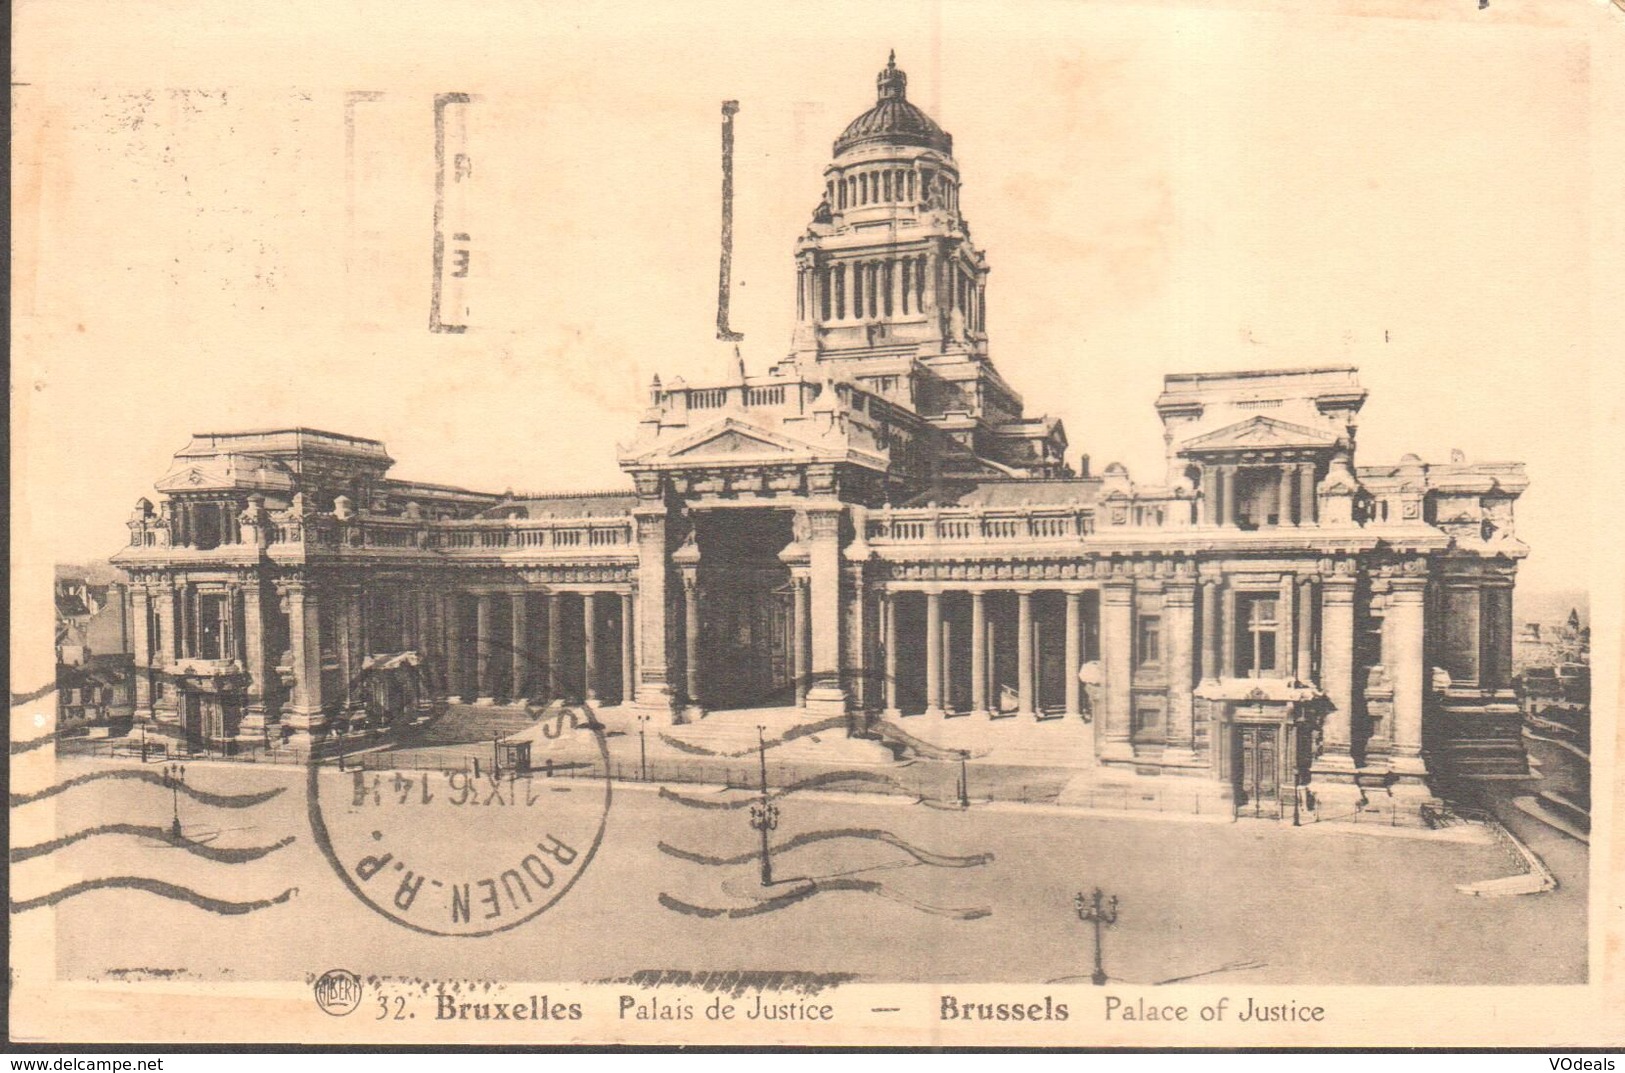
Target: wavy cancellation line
(936, 860)
(152, 886)
(203, 797)
(18, 748)
(812, 887)
(162, 834)
(828, 778)
(788, 736)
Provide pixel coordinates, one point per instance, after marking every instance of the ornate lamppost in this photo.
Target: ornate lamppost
(174, 776)
(1102, 913)
(764, 815)
(964, 779)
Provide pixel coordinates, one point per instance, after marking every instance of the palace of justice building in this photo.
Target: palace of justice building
(874, 528)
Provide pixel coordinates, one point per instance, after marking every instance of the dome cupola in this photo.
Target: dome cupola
(893, 120)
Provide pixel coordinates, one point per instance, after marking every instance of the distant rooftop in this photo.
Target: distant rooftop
(282, 441)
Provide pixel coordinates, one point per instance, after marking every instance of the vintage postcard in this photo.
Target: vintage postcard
(940, 524)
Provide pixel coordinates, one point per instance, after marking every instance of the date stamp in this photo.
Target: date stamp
(471, 851)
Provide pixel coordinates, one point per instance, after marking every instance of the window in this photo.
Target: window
(1260, 624)
(211, 626)
(1150, 647)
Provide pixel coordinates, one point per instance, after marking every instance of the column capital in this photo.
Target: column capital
(1179, 594)
(1118, 591)
(1407, 589)
(1337, 590)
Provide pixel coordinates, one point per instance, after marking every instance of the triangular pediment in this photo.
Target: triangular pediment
(732, 441)
(728, 440)
(224, 473)
(1260, 433)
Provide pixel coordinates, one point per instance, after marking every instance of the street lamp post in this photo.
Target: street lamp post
(174, 775)
(764, 815)
(964, 779)
(643, 747)
(1101, 912)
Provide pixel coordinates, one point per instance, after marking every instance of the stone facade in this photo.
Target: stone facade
(873, 527)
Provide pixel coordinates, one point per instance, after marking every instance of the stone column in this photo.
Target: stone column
(1337, 672)
(304, 713)
(427, 644)
(403, 599)
(1224, 511)
(1283, 506)
(519, 688)
(484, 613)
(691, 637)
(978, 652)
(1227, 634)
(890, 606)
(1210, 496)
(141, 643)
(798, 651)
(654, 688)
(555, 646)
(1306, 493)
(1179, 635)
(1024, 652)
(933, 653)
(627, 644)
(1074, 658)
(1286, 630)
(453, 621)
(1210, 629)
(826, 692)
(351, 643)
(1306, 629)
(166, 702)
(1117, 662)
(994, 700)
(589, 628)
(1405, 621)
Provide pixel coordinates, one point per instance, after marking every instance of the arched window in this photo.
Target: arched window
(905, 266)
(857, 290)
(840, 292)
(886, 178)
(886, 286)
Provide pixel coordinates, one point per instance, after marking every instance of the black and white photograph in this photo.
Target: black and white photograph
(555, 529)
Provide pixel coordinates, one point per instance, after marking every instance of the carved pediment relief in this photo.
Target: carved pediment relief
(731, 442)
(1260, 433)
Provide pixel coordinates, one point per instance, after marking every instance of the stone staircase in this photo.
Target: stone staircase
(463, 724)
(733, 734)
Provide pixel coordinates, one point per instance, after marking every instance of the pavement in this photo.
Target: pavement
(1247, 902)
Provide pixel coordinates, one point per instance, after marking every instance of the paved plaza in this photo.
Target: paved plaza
(1248, 902)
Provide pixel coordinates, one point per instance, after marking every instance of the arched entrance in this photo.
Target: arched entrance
(746, 608)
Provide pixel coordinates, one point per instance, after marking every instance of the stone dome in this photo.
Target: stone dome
(893, 120)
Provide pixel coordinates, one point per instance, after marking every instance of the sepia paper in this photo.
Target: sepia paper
(543, 524)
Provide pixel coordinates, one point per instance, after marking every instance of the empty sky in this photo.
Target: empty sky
(1159, 188)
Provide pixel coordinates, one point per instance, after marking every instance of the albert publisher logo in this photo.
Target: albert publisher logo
(338, 992)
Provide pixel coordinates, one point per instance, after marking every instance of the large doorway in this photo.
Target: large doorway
(746, 609)
(1257, 768)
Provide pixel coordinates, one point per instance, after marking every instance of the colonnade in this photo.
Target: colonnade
(576, 662)
(989, 639)
(1295, 480)
(889, 286)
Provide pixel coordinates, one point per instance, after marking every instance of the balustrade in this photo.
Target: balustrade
(976, 527)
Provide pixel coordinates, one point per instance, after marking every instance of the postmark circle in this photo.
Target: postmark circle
(472, 845)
